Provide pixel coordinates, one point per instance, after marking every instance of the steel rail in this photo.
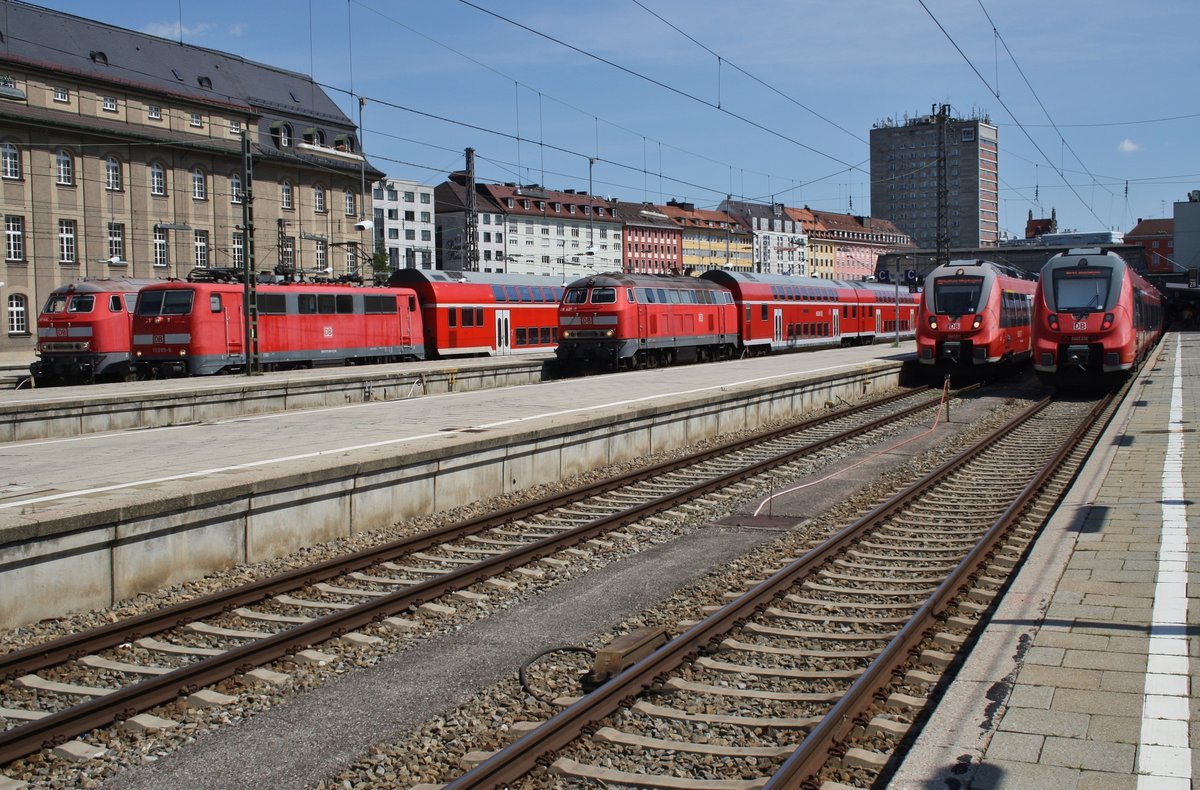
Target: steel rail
(127, 701)
(57, 651)
(522, 755)
(809, 759)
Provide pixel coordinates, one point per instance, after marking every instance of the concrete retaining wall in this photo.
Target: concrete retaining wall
(92, 559)
(25, 417)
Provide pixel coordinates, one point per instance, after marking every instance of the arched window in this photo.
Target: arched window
(235, 188)
(158, 179)
(199, 185)
(281, 133)
(319, 198)
(18, 319)
(112, 174)
(285, 195)
(10, 161)
(65, 168)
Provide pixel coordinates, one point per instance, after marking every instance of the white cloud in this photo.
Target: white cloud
(1128, 146)
(171, 30)
(237, 30)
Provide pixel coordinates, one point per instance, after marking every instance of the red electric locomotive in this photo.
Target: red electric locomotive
(196, 328)
(615, 321)
(781, 313)
(482, 314)
(84, 331)
(975, 313)
(1094, 318)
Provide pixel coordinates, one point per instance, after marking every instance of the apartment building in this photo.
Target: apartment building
(405, 224)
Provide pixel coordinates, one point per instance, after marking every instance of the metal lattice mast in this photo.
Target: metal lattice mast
(249, 291)
(471, 222)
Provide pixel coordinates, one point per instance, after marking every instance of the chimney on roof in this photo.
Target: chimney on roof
(458, 177)
(568, 191)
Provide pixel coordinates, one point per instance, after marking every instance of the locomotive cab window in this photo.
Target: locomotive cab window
(115, 305)
(214, 303)
(604, 295)
(165, 303)
(130, 302)
(575, 296)
(81, 304)
(957, 295)
(55, 304)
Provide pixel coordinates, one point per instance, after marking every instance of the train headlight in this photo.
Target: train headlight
(609, 333)
(85, 345)
(1108, 321)
(1052, 320)
(137, 353)
(567, 334)
(933, 322)
(183, 352)
(978, 322)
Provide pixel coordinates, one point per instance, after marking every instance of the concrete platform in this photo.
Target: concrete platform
(59, 412)
(1086, 674)
(89, 520)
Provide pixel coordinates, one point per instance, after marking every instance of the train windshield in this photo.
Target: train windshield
(957, 295)
(1081, 290)
(604, 295)
(165, 303)
(575, 296)
(55, 304)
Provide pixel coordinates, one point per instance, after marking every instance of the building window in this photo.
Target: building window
(201, 245)
(410, 234)
(109, 103)
(67, 251)
(425, 198)
(14, 238)
(285, 195)
(235, 126)
(154, 112)
(199, 185)
(394, 233)
(425, 237)
(160, 247)
(10, 161)
(196, 121)
(425, 216)
(62, 95)
(116, 242)
(158, 179)
(392, 193)
(112, 174)
(65, 168)
(239, 250)
(235, 188)
(352, 257)
(322, 253)
(319, 199)
(409, 197)
(282, 135)
(351, 204)
(18, 322)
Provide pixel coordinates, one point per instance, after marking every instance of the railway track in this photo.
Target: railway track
(817, 672)
(55, 691)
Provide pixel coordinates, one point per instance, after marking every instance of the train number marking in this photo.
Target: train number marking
(328, 331)
(159, 340)
(1081, 326)
(954, 326)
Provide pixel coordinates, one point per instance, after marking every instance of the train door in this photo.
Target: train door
(835, 326)
(228, 309)
(503, 332)
(878, 321)
(778, 326)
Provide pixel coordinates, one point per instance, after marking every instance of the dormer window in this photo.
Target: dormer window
(281, 133)
(204, 82)
(558, 207)
(571, 209)
(98, 57)
(510, 203)
(525, 204)
(109, 103)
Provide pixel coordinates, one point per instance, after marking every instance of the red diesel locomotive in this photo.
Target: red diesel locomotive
(614, 321)
(196, 328)
(974, 314)
(482, 314)
(1094, 318)
(84, 331)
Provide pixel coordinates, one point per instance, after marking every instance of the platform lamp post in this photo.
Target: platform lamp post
(896, 287)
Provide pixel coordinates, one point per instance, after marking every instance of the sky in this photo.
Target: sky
(693, 100)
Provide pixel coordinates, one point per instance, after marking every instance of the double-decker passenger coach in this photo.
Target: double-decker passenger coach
(484, 314)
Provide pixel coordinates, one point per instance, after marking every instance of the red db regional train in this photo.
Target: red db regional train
(975, 314)
(83, 333)
(197, 328)
(629, 321)
(481, 314)
(1094, 318)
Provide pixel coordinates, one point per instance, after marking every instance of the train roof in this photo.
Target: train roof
(412, 277)
(624, 280)
(731, 279)
(981, 265)
(1082, 256)
(105, 285)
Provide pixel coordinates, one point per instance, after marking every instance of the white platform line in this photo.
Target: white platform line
(1164, 755)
